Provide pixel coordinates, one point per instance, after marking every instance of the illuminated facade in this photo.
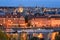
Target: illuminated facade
(45, 22)
(11, 22)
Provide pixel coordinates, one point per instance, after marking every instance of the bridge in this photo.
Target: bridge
(30, 31)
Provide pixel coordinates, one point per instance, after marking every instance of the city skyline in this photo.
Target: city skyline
(30, 3)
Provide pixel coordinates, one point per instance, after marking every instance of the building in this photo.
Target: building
(39, 19)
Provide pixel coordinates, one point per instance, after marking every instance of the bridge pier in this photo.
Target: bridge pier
(47, 36)
(30, 36)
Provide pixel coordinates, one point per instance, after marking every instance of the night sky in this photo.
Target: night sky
(31, 3)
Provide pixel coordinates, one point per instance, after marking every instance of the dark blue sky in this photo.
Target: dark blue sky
(33, 3)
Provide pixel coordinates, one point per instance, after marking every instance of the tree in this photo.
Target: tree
(57, 37)
(26, 19)
(2, 27)
(3, 36)
(29, 24)
(34, 38)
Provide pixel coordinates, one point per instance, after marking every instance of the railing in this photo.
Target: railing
(29, 30)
